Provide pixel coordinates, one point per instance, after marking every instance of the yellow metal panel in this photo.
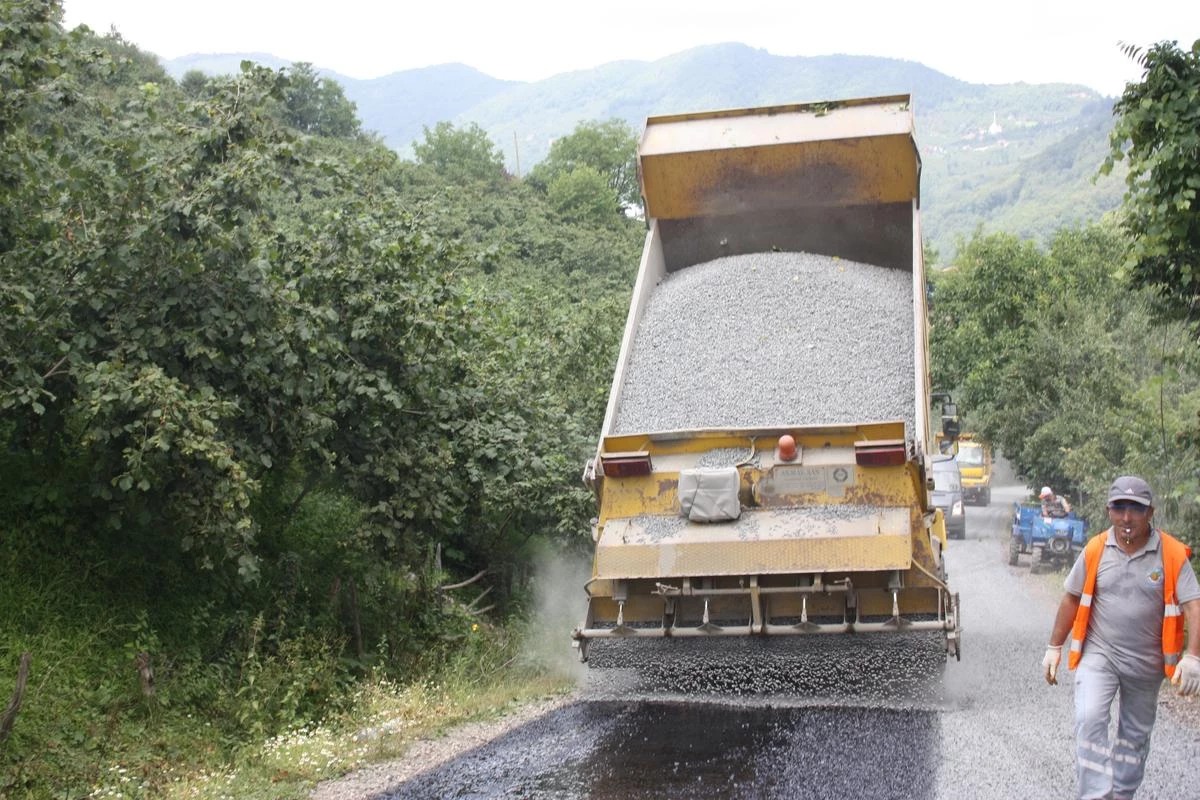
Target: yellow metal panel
(823, 474)
(849, 153)
(799, 123)
(758, 543)
(852, 172)
(852, 554)
(701, 440)
(648, 494)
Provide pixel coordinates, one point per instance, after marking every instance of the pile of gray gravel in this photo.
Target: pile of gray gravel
(772, 339)
(900, 670)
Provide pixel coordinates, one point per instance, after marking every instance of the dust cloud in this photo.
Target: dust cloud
(559, 606)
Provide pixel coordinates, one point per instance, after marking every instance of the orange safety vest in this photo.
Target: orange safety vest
(1174, 554)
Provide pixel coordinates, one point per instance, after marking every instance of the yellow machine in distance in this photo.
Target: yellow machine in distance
(974, 458)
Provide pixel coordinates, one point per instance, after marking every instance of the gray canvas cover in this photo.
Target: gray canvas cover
(709, 495)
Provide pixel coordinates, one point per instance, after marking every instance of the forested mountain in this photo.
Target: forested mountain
(395, 106)
(1014, 157)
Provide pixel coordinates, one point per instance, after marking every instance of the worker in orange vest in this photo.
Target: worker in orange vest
(1126, 601)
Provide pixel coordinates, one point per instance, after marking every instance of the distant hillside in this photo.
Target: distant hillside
(219, 63)
(1016, 157)
(396, 106)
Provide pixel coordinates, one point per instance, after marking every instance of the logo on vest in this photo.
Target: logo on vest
(1155, 577)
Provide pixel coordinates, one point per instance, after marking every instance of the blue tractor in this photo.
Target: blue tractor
(1053, 541)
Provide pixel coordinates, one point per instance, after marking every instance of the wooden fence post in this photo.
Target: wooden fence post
(146, 673)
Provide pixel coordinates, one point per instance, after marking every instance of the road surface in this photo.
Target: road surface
(988, 727)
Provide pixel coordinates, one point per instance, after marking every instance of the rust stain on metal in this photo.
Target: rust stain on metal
(863, 495)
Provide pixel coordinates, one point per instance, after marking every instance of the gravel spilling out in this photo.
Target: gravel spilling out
(882, 670)
(772, 339)
(728, 457)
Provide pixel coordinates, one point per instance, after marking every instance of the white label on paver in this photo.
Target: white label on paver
(832, 480)
(799, 480)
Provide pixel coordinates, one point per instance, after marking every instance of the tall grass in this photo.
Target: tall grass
(257, 691)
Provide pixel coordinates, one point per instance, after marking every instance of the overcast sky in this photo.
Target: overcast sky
(1004, 41)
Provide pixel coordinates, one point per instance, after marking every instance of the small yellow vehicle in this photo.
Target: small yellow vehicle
(974, 458)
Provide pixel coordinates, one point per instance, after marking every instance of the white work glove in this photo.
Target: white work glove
(1187, 676)
(1050, 663)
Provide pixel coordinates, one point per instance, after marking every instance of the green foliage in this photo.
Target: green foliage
(581, 196)
(139, 286)
(35, 72)
(316, 105)
(262, 395)
(31, 58)
(233, 664)
(978, 309)
(460, 154)
(1060, 364)
(185, 343)
(1158, 132)
(193, 83)
(607, 149)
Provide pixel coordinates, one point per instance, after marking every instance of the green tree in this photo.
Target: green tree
(1158, 132)
(193, 83)
(170, 343)
(317, 105)
(609, 148)
(1055, 360)
(978, 311)
(460, 154)
(140, 283)
(212, 317)
(227, 345)
(582, 196)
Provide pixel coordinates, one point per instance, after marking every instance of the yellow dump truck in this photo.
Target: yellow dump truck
(762, 470)
(974, 458)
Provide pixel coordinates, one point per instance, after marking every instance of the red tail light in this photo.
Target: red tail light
(626, 465)
(890, 453)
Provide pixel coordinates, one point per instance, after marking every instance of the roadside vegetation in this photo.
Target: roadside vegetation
(284, 417)
(289, 423)
(1079, 360)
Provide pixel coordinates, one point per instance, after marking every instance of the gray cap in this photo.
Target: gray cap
(1130, 487)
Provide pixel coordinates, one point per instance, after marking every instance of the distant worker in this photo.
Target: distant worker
(1054, 505)
(1126, 601)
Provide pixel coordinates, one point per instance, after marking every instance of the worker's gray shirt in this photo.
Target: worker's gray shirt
(1127, 605)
